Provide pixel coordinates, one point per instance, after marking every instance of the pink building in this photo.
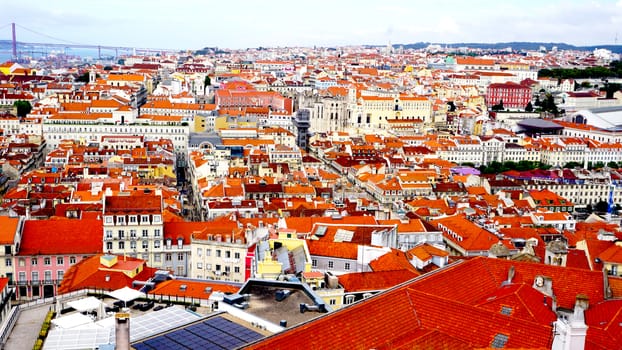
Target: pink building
(48, 249)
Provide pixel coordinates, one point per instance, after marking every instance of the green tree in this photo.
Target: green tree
(23, 108)
(586, 85)
(612, 165)
(571, 165)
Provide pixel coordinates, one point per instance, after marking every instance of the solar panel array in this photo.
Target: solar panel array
(214, 333)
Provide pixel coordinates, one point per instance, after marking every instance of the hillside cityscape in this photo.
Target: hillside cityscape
(407, 196)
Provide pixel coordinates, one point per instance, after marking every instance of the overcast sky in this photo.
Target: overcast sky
(193, 24)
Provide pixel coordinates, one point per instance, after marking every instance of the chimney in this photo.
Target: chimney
(570, 328)
(122, 331)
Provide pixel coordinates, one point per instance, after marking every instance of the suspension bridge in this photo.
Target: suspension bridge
(53, 44)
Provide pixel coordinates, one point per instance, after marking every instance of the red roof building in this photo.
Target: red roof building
(48, 249)
(511, 95)
(509, 305)
(105, 272)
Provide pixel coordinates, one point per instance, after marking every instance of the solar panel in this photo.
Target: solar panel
(216, 333)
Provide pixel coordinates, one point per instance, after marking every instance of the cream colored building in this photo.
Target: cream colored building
(133, 225)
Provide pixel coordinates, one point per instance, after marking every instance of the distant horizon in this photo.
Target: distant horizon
(238, 24)
(8, 42)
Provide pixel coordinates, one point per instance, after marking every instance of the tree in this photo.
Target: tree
(206, 82)
(612, 165)
(571, 165)
(529, 107)
(538, 103)
(452, 106)
(23, 108)
(602, 207)
(498, 107)
(586, 85)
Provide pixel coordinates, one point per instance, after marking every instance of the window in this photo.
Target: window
(34, 276)
(199, 252)
(108, 234)
(333, 302)
(208, 252)
(108, 245)
(47, 276)
(8, 262)
(144, 219)
(349, 299)
(169, 243)
(120, 220)
(21, 276)
(236, 269)
(72, 259)
(331, 264)
(132, 233)
(145, 244)
(47, 261)
(157, 257)
(121, 245)
(109, 219)
(133, 245)
(145, 233)
(157, 218)
(236, 255)
(346, 266)
(33, 261)
(218, 253)
(60, 274)
(22, 262)
(314, 262)
(145, 256)
(227, 254)
(60, 260)
(156, 244)
(168, 257)
(156, 232)
(132, 219)
(208, 267)
(180, 256)
(199, 266)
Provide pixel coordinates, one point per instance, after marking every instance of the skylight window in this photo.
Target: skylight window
(506, 310)
(499, 341)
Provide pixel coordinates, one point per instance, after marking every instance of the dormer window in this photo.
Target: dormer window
(180, 243)
(108, 219)
(157, 219)
(120, 219)
(144, 219)
(132, 219)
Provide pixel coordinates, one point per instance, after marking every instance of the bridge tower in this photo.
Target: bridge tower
(14, 41)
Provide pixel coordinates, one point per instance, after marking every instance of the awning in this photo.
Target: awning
(126, 294)
(72, 321)
(85, 304)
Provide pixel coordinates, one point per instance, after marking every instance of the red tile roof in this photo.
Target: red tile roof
(8, 229)
(90, 273)
(374, 281)
(48, 237)
(409, 316)
(194, 289)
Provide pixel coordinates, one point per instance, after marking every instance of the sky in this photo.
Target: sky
(237, 24)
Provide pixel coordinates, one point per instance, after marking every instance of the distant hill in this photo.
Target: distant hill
(515, 45)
